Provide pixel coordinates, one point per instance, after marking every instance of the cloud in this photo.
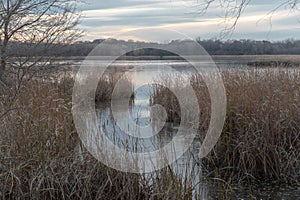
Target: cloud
(104, 19)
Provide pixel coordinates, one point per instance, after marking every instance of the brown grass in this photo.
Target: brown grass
(39, 145)
(39, 153)
(107, 85)
(260, 139)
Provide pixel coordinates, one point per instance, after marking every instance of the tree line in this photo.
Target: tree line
(251, 47)
(213, 47)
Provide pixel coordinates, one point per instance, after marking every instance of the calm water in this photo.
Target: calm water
(143, 72)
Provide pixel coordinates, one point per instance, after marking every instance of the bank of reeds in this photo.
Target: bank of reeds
(260, 139)
(107, 85)
(40, 157)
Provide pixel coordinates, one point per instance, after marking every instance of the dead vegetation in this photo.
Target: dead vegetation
(260, 139)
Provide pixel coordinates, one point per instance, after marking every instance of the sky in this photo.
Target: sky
(114, 18)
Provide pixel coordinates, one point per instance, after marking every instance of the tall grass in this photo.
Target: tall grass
(107, 85)
(260, 139)
(39, 153)
(39, 146)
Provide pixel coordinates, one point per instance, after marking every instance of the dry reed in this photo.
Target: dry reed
(39, 152)
(260, 139)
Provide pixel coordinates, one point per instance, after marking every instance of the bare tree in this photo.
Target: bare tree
(233, 10)
(29, 30)
(37, 24)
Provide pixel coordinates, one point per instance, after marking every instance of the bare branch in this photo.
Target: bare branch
(233, 10)
(39, 24)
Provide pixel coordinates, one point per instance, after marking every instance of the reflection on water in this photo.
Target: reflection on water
(188, 166)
